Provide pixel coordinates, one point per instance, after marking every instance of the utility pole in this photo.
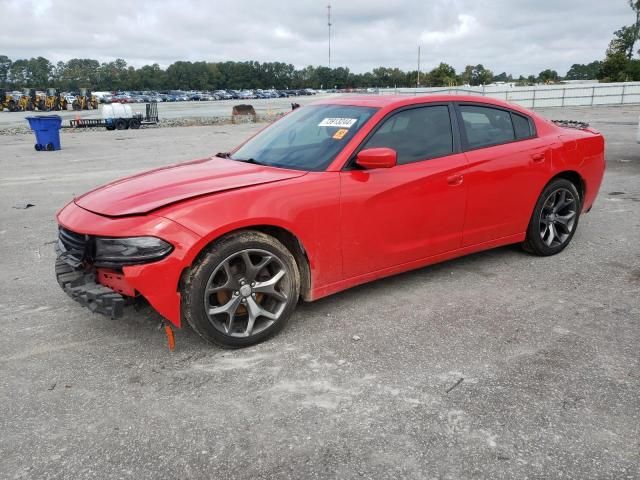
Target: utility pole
(329, 25)
(418, 84)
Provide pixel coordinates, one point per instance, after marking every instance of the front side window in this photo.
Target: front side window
(486, 126)
(416, 134)
(309, 138)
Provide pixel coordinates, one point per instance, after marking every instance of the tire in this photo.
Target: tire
(49, 147)
(134, 123)
(240, 293)
(554, 220)
(38, 147)
(121, 124)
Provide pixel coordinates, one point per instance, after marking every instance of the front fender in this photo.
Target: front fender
(308, 207)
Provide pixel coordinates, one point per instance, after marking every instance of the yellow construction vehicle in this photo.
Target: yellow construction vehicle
(30, 100)
(41, 101)
(5, 98)
(23, 101)
(27, 101)
(12, 101)
(62, 102)
(52, 100)
(85, 101)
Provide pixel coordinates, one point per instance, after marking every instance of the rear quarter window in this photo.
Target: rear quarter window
(522, 126)
(485, 126)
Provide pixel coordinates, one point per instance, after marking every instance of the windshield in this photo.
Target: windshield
(308, 138)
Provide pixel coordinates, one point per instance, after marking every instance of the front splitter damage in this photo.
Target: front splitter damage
(82, 287)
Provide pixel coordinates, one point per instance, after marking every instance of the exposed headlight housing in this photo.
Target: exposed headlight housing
(118, 252)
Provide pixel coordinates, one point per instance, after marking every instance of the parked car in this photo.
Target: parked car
(122, 98)
(223, 95)
(334, 194)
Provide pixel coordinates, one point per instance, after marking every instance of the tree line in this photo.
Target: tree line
(78, 73)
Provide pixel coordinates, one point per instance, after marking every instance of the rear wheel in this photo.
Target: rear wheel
(555, 218)
(134, 123)
(242, 291)
(121, 124)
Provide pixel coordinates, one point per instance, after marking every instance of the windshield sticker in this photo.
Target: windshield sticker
(339, 135)
(338, 122)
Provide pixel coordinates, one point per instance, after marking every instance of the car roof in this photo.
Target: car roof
(394, 101)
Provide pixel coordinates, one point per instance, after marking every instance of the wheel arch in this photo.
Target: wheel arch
(284, 236)
(575, 178)
(570, 175)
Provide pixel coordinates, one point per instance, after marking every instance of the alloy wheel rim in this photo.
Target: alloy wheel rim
(558, 217)
(246, 293)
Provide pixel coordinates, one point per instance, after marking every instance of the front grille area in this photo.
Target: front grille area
(74, 246)
(72, 240)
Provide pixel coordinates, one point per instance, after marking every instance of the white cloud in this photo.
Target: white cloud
(282, 33)
(464, 28)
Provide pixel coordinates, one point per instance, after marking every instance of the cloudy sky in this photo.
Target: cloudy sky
(516, 36)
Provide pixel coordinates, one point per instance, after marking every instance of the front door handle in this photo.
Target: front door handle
(537, 157)
(454, 180)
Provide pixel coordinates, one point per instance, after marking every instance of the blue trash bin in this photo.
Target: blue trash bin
(47, 130)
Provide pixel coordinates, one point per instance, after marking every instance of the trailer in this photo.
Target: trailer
(117, 116)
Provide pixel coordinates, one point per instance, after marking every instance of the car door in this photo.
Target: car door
(508, 167)
(391, 216)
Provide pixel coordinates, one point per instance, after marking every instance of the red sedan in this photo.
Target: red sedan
(335, 194)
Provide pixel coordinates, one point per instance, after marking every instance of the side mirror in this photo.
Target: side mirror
(377, 158)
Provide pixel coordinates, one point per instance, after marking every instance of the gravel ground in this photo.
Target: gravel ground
(497, 365)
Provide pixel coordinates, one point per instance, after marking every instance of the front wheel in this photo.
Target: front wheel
(555, 218)
(242, 290)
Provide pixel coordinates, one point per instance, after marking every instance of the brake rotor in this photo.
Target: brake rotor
(223, 296)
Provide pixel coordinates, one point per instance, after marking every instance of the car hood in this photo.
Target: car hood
(151, 190)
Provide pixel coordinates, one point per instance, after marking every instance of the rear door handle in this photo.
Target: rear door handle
(454, 180)
(537, 157)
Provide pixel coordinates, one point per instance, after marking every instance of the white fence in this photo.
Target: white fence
(543, 95)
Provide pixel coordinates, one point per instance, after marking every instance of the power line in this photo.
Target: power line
(418, 84)
(329, 25)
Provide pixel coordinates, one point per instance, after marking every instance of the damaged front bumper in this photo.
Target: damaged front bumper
(81, 286)
(108, 290)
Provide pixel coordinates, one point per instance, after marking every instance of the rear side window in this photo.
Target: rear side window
(486, 126)
(416, 134)
(522, 126)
